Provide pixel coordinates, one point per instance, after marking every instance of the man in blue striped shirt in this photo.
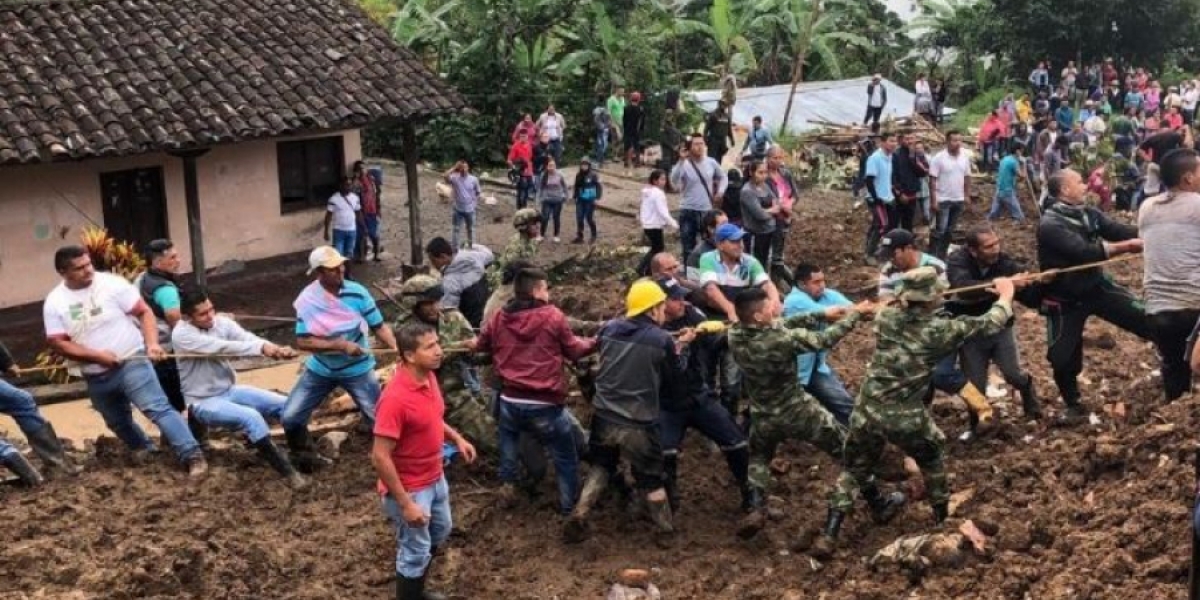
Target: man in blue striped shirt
(817, 377)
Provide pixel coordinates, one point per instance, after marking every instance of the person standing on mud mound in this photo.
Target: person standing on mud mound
(466, 410)
(90, 319)
(698, 406)
(407, 456)
(1168, 225)
(899, 248)
(159, 287)
(21, 407)
(333, 316)
(521, 246)
(1069, 234)
(911, 338)
(640, 367)
(766, 350)
(977, 263)
(209, 381)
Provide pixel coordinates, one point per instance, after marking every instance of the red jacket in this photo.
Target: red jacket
(522, 151)
(529, 343)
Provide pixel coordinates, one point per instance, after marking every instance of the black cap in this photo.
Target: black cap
(671, 288)
(896, 238)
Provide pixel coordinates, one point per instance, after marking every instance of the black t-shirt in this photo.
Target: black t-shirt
(631, 124)
(1159, 144)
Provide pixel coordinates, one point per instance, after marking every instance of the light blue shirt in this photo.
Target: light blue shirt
(1006, 177)
(799, 302)
(336, 365)
(879, 166)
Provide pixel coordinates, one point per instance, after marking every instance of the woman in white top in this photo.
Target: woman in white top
(654, 216)
(923, 101)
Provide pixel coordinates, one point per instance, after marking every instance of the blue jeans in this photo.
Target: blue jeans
(553, 430)
(19, 404)
(556, 150)
(552, 211)
(414, 545)
(832, 394)
(242, 408)
(524, 191)
(312, 389)
(709, 418)
(691, 225)
(947, 377)
(116, 392)
(343, 242)
(585, 212)
(461, 217)
(947, 218)
(601, 149)
(1006, 200)
(7, 449)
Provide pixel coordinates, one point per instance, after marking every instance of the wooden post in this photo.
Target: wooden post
(798, 67)
(191, 192)
(414, 193)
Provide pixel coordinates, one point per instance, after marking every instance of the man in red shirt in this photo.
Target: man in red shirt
(407, 456)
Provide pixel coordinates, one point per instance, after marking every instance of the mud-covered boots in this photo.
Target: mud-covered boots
(825, 545)
(883, 508)
(413, 588)
(1029, 400)
(278, 461)
(575, 530)
(198, 429)
(660, 514)
(49, 450)
(941, 510)
(23, 469)
(756, 513)
(671, 480)
(304, 453)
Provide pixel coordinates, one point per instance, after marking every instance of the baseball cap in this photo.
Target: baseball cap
(728, 232)
(896, 238)
(324, 256)
(671, 288)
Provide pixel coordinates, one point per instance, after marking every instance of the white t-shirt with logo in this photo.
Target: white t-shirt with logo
(343, 209)
(951, 173)
(96, 316)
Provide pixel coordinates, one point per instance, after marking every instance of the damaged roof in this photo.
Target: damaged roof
(89, 78)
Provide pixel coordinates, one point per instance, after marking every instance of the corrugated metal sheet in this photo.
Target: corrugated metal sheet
(843, 101)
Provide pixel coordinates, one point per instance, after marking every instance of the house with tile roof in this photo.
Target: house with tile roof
(221, 124)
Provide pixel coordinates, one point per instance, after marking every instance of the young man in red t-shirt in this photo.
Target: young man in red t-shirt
(407, 455)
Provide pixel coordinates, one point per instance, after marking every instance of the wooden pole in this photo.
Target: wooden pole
(191, 192)
(798, 66)
(414, 192)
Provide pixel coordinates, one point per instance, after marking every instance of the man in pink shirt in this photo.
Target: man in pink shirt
(407, 456)
(780, 179)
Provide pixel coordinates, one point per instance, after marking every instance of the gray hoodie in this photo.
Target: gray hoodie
(209, 377)
(464, 271)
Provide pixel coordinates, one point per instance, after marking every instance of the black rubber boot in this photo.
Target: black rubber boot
(941, 510)
(1075, 412)
(670, 480)
(739, 466)
(752, 498)
(23, 469)
(427, 594)
(275, 457)
(304, 452)
(825, 545)
(49, 450)
(883, 508)
(199, 430)
(1029, 400)
(756, 515)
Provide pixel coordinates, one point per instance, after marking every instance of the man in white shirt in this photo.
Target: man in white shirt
(949, 188)
(344, 212)
(90, 319)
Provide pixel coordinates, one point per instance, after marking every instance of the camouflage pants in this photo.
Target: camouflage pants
(911, 428)
(470, 416)
(806, 420)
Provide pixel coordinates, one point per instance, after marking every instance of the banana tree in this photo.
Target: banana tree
(426, 26)
(729, 30)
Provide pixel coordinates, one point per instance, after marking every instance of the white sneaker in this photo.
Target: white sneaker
(556, 240)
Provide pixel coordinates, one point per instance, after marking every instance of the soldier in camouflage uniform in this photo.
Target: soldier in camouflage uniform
(466, 409)
(912, 337)
(766, 349)
(522, 246)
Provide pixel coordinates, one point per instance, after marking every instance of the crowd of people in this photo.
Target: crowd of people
(708, 339)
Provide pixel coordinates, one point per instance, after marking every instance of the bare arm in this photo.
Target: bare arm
(310, 343)
(149, 326)
(381, 459)
(328, 222)
(713, 293)
(63, 345)
(385, 335)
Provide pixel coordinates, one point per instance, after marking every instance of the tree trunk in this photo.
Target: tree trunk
(798, 67)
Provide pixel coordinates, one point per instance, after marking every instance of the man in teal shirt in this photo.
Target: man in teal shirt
(1006, 186)
(881, 200)
(333, 318)
(809, 296)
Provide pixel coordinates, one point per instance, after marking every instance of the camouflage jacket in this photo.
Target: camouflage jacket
(767, 355)
(909, 343)
(453, 329)
(518, 248)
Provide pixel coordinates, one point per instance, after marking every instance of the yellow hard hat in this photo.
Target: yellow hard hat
(643, 295)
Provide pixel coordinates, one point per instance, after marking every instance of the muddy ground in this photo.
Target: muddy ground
(1096, 512)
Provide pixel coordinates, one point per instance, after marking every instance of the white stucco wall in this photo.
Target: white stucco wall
(239, 204)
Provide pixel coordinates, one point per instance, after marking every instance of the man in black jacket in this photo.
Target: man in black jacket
(981, 261)
(906, 178)
(699, 407)
(1072, 234)
(640, 367)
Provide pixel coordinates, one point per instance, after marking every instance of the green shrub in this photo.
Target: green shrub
(971, 114)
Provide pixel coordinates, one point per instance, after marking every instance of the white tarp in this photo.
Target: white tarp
(841, 102)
